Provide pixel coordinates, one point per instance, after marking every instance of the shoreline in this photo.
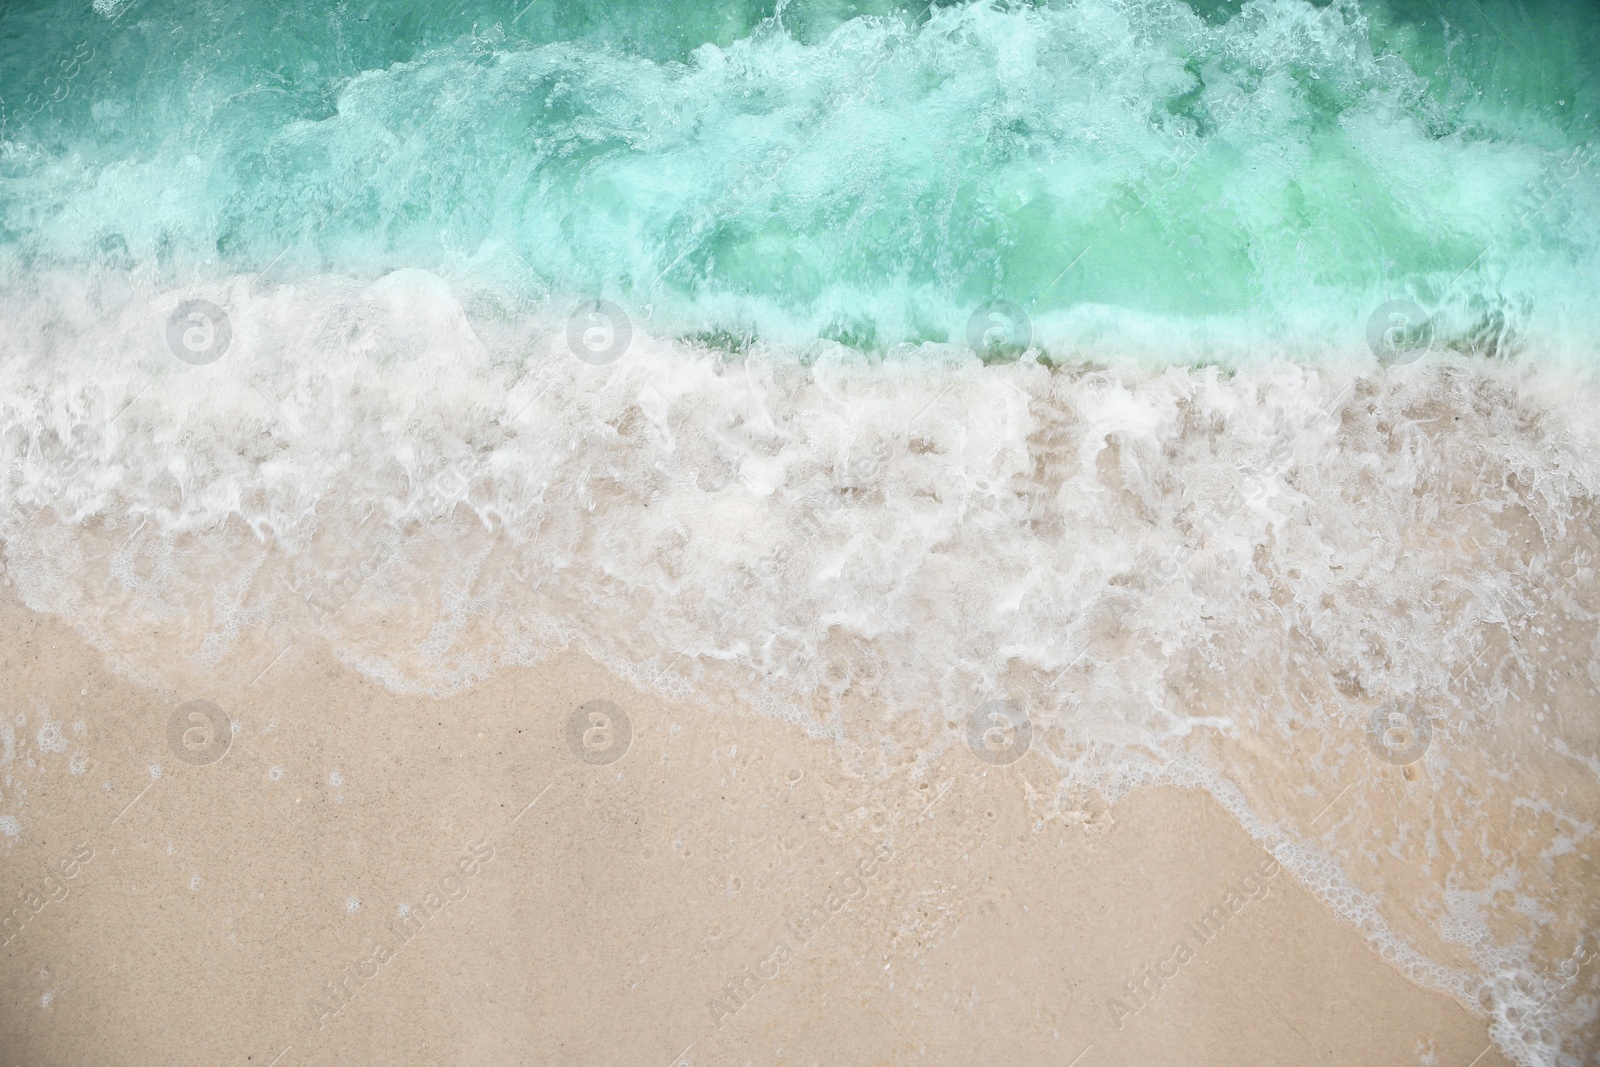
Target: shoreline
(1358, 611)
(659, 876)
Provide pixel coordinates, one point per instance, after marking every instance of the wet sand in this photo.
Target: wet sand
(360, 877)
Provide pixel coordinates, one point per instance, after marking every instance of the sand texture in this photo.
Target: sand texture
(363, 878)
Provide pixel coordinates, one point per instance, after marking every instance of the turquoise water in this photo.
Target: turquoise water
(1187, 179)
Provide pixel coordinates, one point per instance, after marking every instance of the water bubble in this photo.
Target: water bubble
(50, 737)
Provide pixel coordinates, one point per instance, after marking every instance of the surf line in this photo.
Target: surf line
(1143, 988)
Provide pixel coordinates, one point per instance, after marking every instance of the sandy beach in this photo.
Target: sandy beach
(363, 878)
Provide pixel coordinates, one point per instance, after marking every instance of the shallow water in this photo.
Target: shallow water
(1273, 473)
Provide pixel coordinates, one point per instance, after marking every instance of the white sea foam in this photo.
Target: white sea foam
(1201, 577)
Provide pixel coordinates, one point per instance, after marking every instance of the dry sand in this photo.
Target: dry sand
(724, 892)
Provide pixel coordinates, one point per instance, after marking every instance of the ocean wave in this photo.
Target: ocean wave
(1197, 185)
